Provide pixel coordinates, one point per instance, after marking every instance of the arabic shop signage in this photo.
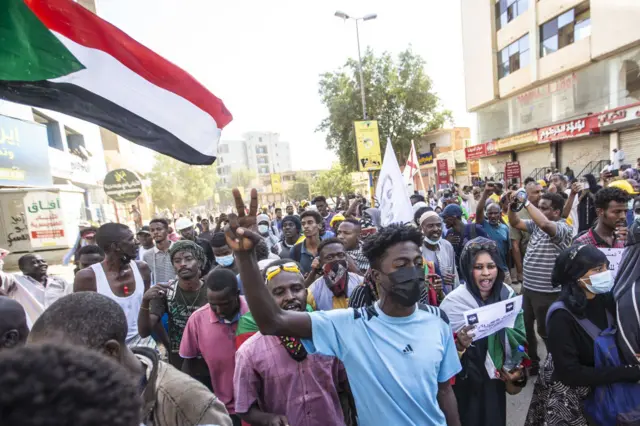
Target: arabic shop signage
(518, 141)
(628, 115)
(481, 150)
(122, 186)
(425, 158)
(24, 153)
(44, 219)
(569, 130)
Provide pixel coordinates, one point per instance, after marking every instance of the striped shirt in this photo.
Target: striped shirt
(542, 252)
(159, 262)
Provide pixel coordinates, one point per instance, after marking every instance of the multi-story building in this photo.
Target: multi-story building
(262, 152)
(554, 83)
(443, 144)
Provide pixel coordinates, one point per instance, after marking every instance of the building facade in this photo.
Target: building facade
(443, 144)
(262, 152)
(550, 81)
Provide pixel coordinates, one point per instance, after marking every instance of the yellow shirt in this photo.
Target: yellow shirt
(337, 302)
(495, 198)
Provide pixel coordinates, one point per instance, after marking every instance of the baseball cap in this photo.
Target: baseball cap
(145, 230)
(452, 210)
(183, 223)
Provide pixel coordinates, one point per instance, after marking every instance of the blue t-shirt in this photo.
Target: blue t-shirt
(394, 364)
(499, 234)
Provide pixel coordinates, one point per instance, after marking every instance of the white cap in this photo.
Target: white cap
(183, 223)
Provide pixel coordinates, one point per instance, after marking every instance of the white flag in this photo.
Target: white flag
(391, 193)
(411, 168)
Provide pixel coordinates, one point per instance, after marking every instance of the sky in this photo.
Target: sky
(264, 58)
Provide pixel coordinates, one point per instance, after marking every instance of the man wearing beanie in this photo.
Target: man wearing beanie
(291, 228)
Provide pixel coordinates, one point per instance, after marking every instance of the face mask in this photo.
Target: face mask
(335, 275)
(600, 282)
(263, 229)
(406, 285)
(225, 260)
(432, 242)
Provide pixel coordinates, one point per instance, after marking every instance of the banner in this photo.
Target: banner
(482, 150)
(368, 145)
(44, 219)
(569, 130)
(276, 183)
(391, 194)
(425, 158)
(512, 171)
(443, 172)
(492, 318)
(614, 256)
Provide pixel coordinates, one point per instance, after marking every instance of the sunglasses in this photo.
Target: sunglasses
(488, 246)
(272, 271)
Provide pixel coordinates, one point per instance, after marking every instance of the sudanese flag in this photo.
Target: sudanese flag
(56, 54)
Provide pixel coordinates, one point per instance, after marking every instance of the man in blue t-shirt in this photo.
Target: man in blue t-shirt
(490, 217)
(399, 356)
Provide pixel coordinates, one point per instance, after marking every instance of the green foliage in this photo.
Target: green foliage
(241, 178)
(399, 94)
(174, 183)
(299, 189)
(333, 182)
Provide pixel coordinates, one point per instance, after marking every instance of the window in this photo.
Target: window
(508, 10)
(565, 29)
(263, 170)
(513, 57)
(53, 130)
(75, 141)
(261, 150)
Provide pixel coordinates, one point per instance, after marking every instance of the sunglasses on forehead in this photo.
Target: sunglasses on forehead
(488, 246)
(274, 270)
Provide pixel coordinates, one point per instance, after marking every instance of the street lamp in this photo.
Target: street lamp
(367, 17)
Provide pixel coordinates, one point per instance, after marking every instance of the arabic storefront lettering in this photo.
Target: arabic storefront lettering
(122, 186)
(627, 115)
(44, 219)
(517, 141)
(569, 130)
(425, 158)
(24, 153)
(443, 172)
(481, 150)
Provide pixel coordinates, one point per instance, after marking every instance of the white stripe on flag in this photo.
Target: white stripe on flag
(107, 77)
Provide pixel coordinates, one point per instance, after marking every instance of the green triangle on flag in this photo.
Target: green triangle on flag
(28, 50)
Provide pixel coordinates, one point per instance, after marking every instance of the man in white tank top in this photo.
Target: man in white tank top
(119, 276)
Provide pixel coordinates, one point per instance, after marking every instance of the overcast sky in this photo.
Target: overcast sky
(264, 58)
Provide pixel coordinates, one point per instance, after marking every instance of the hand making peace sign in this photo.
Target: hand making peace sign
(241, 233)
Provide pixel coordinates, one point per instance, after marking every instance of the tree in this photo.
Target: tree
(300, 188)
(333, 182)
(174, 183)
(242, 178)
(398, 94)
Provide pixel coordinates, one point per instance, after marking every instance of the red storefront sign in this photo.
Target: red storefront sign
(481, 150)
(512, 171)
(569, 130)
(443, 172)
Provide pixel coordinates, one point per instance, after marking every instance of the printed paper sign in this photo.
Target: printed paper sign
(614, 255)
(491, 318)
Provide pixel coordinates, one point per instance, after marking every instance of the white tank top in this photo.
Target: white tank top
(130, 304)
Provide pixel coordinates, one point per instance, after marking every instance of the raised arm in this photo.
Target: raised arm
(242, 239)
(488, 189)
(514, 219)
(548, 226)
(569, 204)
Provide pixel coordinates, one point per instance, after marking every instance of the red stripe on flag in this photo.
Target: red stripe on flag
(80, 25)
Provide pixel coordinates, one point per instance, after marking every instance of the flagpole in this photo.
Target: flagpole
(413, 147)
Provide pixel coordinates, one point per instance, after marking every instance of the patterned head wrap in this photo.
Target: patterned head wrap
(188, 246)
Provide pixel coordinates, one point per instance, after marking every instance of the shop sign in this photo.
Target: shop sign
(512, 171)
(44, 219)
(569, 130)
(459, 156)
(122, 186)
(481, 150)
(24, 153)
(516, 141)
(443, 172)
(619, 116)
(425, 158)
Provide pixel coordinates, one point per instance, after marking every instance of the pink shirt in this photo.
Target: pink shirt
(305, 392)
(206, 336)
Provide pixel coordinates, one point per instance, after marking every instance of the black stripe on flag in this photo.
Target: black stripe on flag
(80, 103)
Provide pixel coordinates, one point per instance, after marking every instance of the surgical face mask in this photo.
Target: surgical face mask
(263, 229)
(406, 285)
(600, 282)
(225, 260)
(630, 204)
(432, 242)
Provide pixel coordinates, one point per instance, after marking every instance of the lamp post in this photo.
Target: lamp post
(368, 17)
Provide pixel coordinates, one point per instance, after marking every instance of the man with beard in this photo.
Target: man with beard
(439, 251)
(490, 217)
(610, 230)
(291, 228)
(45, 289)
(335, 285)
(179, 298)
(119, 276)
(185, 227)
(306, 390)
(398, 373)
(520, 239)
(158, 258)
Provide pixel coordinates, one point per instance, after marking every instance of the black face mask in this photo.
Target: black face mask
(406, 285)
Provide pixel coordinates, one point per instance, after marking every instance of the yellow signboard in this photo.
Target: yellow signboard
(276, 183)
(368, 145)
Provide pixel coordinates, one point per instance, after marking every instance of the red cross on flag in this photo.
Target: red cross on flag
(412, 167)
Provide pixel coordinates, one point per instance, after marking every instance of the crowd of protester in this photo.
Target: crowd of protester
(320, 315)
